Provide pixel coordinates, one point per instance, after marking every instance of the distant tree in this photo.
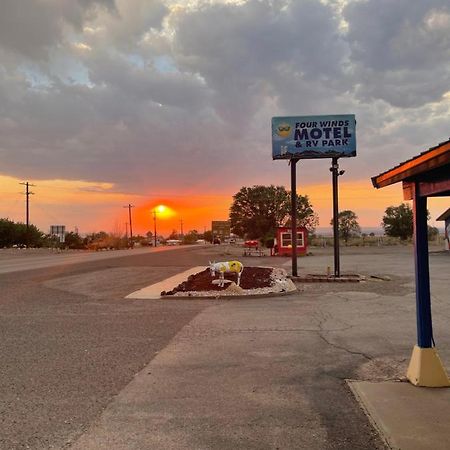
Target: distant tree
(73, 241)
(7, 233)
(348, 224)
(12, 233)
(398, 221)
(433, 233)
(257, 211)
(98, 241)
(173, 235)
(149, 235)
(190, 237)
(208, 236)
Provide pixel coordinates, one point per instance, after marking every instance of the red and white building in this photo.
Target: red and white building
(284, 241)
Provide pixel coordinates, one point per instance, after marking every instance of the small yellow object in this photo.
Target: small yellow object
(426, 369)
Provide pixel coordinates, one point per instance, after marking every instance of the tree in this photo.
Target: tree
(433, 233)
(208, 236)
(257, 211)
(191, 237)
(74, 241)
(173, 235)
(348, 224)
(398, 221)
(17, 234)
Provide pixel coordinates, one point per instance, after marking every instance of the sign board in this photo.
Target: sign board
(221, 228)
(59, 231)
(311, 137)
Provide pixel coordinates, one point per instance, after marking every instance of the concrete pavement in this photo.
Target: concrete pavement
(154, 290)
(83, 366)
(407, 417)
(241, 375)
(269, 373)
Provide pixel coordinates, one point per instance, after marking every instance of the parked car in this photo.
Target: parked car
(173, 242)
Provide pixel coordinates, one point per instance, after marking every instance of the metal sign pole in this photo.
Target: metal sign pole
(294, 215)
(335, 172)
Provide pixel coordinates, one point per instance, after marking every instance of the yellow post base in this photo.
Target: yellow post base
(426, 368)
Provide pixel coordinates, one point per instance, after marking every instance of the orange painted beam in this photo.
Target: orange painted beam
(430, 160)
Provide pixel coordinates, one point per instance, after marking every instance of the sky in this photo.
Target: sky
(105, 103)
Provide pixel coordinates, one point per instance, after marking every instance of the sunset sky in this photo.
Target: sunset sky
(105, 103)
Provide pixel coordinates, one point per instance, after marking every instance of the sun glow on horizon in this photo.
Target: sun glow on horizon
(94, 206)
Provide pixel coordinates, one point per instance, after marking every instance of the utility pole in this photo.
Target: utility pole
(129, 206)
(27, 202)
(181, 227)
(154, 223)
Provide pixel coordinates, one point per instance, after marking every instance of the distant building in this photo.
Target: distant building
(446, 218)
(58, 231)
(284, 241)
(221, 229)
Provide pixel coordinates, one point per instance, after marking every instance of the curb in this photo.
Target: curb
(228, 297)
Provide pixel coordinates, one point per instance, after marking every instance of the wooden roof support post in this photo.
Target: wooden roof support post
(425, 175)
(425, 367)
(422, 272)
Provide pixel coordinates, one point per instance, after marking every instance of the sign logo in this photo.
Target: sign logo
(284, 130)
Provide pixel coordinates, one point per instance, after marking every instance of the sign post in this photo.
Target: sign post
(294, 215)
(335, 173)
(312, 137)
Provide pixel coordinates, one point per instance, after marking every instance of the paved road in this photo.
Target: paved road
(65, 354)
(202, 373)
(18, 260)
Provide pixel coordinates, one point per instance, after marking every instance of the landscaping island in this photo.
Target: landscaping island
(254, 281)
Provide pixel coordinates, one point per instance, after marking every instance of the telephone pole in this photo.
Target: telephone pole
(181, 227)
(154, 223)
(129, 206)
(27, 202)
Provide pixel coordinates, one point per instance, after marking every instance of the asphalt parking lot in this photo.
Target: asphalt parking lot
(85, 368)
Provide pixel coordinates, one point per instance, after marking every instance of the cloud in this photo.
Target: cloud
(155, 96)
(253, 49)
(32, 28)
(400, 50)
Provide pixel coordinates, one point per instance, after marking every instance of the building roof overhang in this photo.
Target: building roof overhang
(428, 173)
(445, 215)
(434, 162)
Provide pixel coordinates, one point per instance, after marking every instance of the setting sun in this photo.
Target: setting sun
(163, 211)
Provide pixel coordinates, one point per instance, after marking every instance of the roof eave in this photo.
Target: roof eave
(432, 159)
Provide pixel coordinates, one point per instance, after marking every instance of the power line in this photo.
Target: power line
(27, 202)
(129, 206)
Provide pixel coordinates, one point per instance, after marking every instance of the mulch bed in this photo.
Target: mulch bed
(251, 278)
